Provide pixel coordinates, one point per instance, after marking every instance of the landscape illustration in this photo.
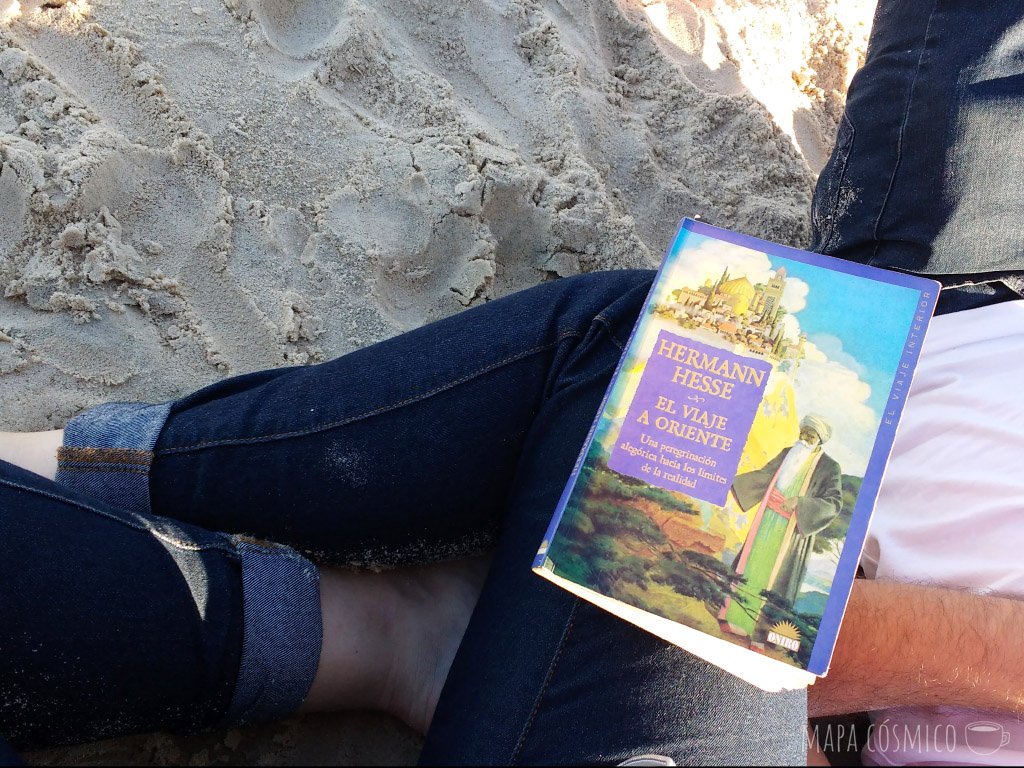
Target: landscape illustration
(724, 471)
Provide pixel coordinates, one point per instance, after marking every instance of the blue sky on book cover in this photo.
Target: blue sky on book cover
(730, 474)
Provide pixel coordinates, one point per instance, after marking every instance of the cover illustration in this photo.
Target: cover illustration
(730, 475)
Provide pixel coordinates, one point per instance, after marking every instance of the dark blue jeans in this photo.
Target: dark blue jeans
(124, 612)
(927, 173)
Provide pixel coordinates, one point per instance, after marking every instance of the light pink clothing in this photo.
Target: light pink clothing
(950, 512)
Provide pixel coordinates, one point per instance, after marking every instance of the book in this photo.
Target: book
(722, 498)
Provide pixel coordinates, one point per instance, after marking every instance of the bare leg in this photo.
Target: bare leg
(34, 451)
(390, 637)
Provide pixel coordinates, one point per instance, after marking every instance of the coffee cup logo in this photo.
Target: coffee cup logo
(985, 737)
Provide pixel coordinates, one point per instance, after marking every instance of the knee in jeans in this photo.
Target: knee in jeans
(613, 282)
(614, 297)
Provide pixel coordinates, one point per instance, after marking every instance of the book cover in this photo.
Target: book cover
(723, 496)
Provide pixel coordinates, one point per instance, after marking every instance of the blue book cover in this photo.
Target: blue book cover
(722, 498)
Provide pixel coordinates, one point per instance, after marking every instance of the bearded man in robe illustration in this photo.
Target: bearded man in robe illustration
(797, 494)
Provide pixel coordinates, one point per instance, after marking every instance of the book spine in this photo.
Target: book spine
(849, 560)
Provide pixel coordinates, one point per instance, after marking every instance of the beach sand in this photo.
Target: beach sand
(196, 189)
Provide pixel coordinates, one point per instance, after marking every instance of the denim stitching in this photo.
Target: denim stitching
(104, 455)
(833, 230)
(903, 129)
(603, 321)
(281, 550)
(103, 468)
(187, 546)
(377, 411)
(547, 682)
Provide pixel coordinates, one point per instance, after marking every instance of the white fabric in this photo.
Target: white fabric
(950, 512)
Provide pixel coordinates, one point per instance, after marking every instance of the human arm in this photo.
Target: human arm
(912, 645)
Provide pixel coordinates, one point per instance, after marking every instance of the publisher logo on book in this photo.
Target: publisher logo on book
(785, 635)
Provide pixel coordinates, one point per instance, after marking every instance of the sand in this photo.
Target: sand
(196, 189)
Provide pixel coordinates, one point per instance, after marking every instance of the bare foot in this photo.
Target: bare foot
(390, 638)
(34, 451)
(439, 602)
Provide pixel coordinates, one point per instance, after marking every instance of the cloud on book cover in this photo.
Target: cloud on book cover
(705, 258)
(833, 383)
(794, 296)
(832, 347)
(830, 385)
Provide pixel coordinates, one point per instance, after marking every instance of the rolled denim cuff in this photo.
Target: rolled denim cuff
(108, 451)
(281, 634)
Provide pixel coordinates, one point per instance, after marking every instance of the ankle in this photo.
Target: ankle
(390, 638)
(34, 451)
(436, 603)
(359, 616)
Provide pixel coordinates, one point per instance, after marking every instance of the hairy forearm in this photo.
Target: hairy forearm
(910, 645)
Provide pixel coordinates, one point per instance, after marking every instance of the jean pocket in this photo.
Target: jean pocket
(829, 198)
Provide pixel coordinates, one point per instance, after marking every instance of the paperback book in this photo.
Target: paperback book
(722, 498)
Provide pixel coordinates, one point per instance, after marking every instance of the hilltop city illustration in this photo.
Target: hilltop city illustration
(740, 312)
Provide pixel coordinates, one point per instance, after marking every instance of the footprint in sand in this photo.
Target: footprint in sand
(428, 260)
(298, 27)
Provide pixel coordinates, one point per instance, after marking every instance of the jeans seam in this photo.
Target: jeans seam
(375, 412)
(102, 468)
(847, 150)
(143, 528)
(521, 743)
(603, 321)
(903, 129)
